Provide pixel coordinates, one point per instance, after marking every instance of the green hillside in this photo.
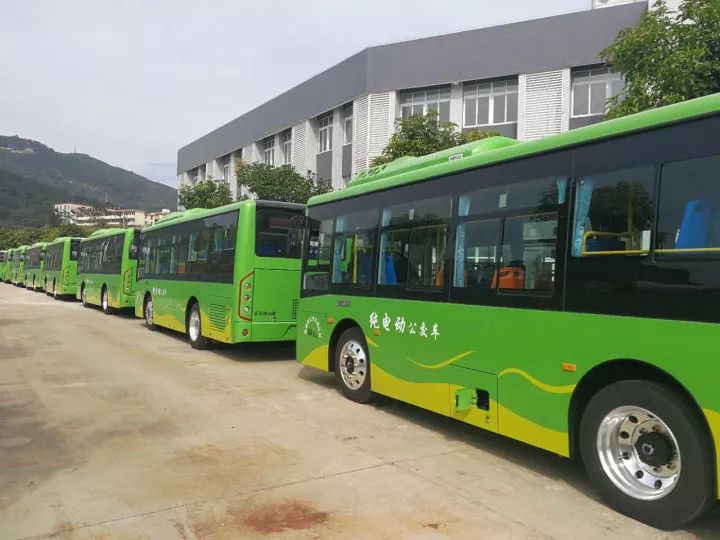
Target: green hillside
(75, 177)
(24, 202)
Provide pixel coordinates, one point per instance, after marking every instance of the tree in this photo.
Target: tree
(422, 135)
(282, 183)
(12, 238)
(207, 194)
(667, 57)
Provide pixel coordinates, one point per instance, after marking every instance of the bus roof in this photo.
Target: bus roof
(102, 233)
(195, 213)
(61, 239)
(38, 245)
(407, 170)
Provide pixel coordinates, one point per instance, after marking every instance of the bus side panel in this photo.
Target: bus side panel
(275, 304)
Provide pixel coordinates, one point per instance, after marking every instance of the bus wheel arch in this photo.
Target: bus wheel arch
(340, 327)
(613, 371)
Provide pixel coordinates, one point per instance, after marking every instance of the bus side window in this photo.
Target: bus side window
(614, 213)
(354, 248)
(689, 215)
(316, 266)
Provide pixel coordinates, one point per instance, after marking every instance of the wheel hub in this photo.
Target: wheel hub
(654, 449)
(353, 365)
(638, 453)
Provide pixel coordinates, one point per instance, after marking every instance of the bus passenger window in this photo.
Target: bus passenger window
(316, 271)
(476, 254)
(412, 243)
(354, 248)
(614, 213)
(394, 254)
(689, 215)
(527, 257)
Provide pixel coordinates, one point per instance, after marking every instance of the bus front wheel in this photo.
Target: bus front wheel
(194, 329)
(149, 314)
(352, 366)
(648, 452)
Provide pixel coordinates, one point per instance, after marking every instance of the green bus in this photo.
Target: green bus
(17, 276)
(106, 268)
(230, 274)
(3, 264)
(7, 273)
(35, 266)
(61, 259)
(562, 292)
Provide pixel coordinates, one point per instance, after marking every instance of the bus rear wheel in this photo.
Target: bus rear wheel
(54, 291)
(83, 296)
(105, 301)
(352, 366)
(148, 313)
(194, 329)
(648, 452)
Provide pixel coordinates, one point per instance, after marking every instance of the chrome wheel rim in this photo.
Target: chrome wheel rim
(104, 300)
(639, 453)
(353, 365)
(82, 295)
(194, 325)
(149, 313)
(54, 289)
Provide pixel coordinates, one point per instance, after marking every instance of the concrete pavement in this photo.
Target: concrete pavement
(108, 430)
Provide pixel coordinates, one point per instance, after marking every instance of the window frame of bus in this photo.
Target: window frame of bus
(351, 288)
(179, 229)
(314, 223)
(552, 166)
(407, 195)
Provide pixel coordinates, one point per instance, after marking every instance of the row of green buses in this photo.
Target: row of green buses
(562, 292)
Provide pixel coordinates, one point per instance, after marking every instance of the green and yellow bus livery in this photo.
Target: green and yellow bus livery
(230, 274)
(562, 292)
(107, 264)
(61, 257)
(35, 266)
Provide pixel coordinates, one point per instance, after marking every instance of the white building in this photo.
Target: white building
(525, 80)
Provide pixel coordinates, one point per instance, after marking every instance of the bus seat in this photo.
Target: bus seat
(697, 225)
(509, 277)
(266, 250)
(390, 275)
(364, 266)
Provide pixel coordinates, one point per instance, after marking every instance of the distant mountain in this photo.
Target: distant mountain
(53, 177)
(26, 203)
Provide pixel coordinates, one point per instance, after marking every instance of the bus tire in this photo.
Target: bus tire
(105, 301)
(352, 366)
(149, 313)
(54, 291)
(648, 451)
(83, 296)
(194, 329)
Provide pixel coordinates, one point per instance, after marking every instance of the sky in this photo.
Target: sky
(131, 81)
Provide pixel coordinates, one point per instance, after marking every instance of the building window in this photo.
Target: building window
(226, 167)
(420, 102)
(591, 88)
(348, 123)
(325, 133)
(269, 151)
(490, 103)
(195, 176)
(287, 147)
